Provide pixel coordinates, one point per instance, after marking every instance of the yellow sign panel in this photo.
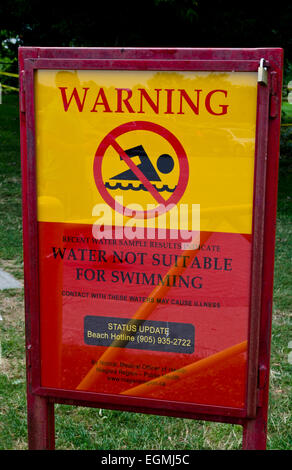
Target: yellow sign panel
(146, 138)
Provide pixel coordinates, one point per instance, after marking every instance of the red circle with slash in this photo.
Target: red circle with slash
(110, 140)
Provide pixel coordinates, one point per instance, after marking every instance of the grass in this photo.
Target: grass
(10, 183)
(88, 428)
(286, 112)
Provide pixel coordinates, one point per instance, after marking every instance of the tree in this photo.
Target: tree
(159, 23)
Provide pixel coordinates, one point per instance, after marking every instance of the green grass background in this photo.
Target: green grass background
(89, 428)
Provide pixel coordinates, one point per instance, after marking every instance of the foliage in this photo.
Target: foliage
(158, 23)
(286, 148)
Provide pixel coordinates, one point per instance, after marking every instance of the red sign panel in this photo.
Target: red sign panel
(148, 202)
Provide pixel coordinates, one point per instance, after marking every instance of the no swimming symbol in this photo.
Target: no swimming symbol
(147, 172)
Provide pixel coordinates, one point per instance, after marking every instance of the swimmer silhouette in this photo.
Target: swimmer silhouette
(165, 165)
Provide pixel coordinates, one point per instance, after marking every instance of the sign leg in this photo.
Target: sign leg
(255, 432)
(41, 423)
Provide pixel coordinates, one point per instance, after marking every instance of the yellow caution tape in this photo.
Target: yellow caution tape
(9, 74)
(9, 87)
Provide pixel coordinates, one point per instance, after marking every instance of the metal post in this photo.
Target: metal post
(255, 433)
(40, 423)
(255, 429)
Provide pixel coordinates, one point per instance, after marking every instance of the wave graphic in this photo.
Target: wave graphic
(141, 187)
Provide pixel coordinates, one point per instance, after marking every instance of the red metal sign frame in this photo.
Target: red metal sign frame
(41, 400)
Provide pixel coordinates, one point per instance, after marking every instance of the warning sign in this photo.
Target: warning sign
(135, 305)
(142, 141)
(130, 304)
